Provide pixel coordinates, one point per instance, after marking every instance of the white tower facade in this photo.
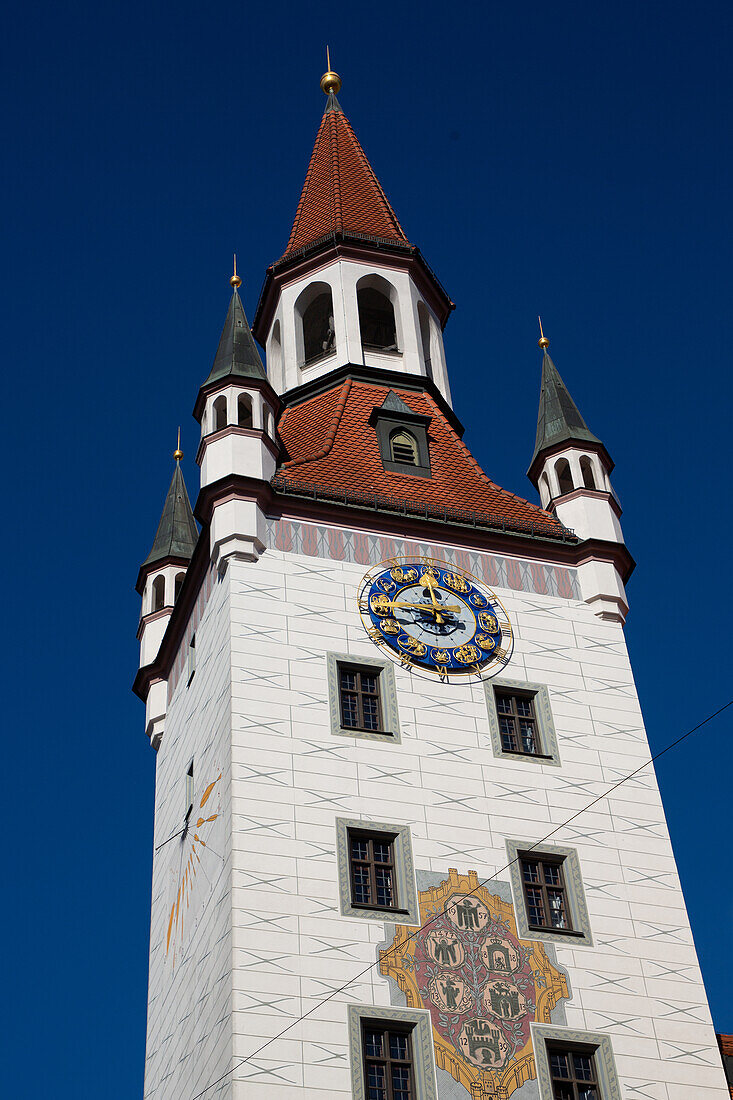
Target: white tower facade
(387, 686)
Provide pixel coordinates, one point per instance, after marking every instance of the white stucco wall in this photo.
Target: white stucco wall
(263, 641)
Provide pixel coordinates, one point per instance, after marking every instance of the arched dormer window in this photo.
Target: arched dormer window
(564, 477)
(220, 413)
(586, 469)
(319, 333)
(376, 314)
(159, 593)
(180, 578)
(244, 411)
(403, 448)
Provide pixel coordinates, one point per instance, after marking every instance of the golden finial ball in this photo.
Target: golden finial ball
(235, 281)
(178, 454)
(543, 342)
(330, 82)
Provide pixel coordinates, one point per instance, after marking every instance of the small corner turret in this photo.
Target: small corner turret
(237, 409)
(159, 582)
(571, 470)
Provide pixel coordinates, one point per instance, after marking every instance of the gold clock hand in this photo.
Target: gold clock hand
(429, 582)
(422, 606)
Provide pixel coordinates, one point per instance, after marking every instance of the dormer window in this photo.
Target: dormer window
(402, 436)
(403, 448)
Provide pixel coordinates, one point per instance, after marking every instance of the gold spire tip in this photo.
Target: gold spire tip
(330, 81)
(543, 342)
(235, 281)
(178, 453)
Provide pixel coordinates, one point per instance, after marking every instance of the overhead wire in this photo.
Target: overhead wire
(341, 989)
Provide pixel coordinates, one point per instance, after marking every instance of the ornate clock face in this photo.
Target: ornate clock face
(195, 868)
(435, 618)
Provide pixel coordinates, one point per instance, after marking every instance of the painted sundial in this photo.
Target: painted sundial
(482, 985)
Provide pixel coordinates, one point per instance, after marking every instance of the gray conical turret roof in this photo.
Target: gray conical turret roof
(177, 532)
(237, 354)
(559, 420)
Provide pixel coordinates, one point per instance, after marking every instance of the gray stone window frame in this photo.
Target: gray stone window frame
(408, 911)
(603, 1055)
(580, 934)
(423, 1060)
(387, 698)
(386, 422)
(543, 714)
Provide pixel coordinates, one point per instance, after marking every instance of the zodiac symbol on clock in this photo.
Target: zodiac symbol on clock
(441, 656)
(389, 626)
(412, 645)
(468, 654)
(477, 600)
(485, 641)
(488, 622)
(403, 575)
(455, 581)
(380, 605)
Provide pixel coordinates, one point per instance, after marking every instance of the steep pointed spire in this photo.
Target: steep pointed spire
(237, 354)
(341, 193)
(177, 532)
(559, 420)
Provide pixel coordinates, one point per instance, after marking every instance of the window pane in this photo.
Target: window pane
(589, 1093)
(526, 732)
(349, 710)
(508, 738)
(348, 680)
(359, 849)
(371, 712)
(552, 874)
(397, 1045)
(524, 707)
(400, 1082)
(530, 871)
(559, 1067)
(566, 1092)
(382, 852)
(368, 682)
(504, 704)
(583, 1066)
(361, 885)
(384, 888)
(535, 908)
(376, 1082)
(557, 909)
(373, 1044)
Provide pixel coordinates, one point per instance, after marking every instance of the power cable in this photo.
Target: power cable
(483, 882)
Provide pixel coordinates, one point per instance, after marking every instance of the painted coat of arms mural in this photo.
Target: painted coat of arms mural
(482, 984)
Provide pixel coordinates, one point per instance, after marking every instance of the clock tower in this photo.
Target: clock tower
(378, 686)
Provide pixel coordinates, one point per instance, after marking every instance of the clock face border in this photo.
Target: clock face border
(376, 581)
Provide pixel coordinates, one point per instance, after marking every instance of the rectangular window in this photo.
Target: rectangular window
(573, 1073)
(372, 870)
(518, 723)
(359, 698)
(544, 893)
(388, 1067)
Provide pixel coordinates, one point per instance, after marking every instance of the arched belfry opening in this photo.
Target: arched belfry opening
(586, 469)
(564, 476)
(377, 322)
(426, 338)
(314, 310)
(244, 411)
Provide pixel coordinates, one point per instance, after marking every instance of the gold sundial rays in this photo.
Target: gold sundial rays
(189, 872)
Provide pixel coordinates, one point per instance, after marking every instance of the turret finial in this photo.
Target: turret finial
(543, 342)
(235, 281)
(330, 81)
(178, 453)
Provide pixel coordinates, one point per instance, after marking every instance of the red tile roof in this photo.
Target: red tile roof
(341, 194)
(330, 442)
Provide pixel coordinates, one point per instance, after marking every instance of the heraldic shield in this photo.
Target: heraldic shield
(482, 984)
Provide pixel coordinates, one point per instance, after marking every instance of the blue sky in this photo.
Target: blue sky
(568, 159)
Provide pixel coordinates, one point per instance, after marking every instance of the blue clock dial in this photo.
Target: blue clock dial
(434, 617)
